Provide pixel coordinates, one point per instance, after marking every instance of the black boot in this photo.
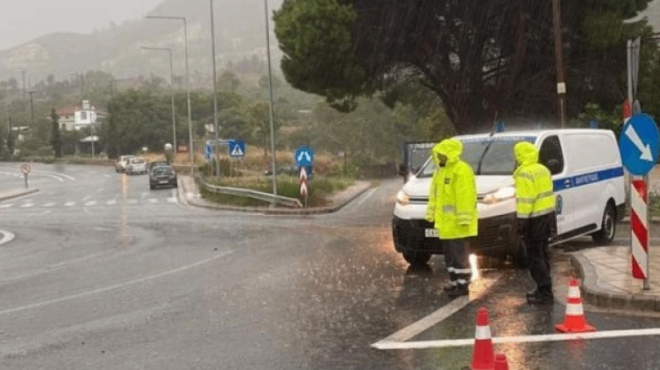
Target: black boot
(541, 297)
(461, 290)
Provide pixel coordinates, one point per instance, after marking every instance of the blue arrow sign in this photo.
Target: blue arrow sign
(236, 149)
(304, 156)
(208, 152)
(640, 144)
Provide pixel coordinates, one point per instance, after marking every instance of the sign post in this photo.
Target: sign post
(25, 170)
(640, 148)
(304, 191)
(304, 160)
(237, 150)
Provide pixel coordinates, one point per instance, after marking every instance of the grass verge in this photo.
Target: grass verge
(320, 190)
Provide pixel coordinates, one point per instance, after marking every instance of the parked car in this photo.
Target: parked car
(122, 163)
(588, 184)
(162, 176)
(137, 166)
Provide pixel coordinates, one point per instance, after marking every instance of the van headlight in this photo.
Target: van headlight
(402, 198)
(500, 195)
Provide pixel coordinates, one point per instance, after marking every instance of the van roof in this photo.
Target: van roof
(532, 133)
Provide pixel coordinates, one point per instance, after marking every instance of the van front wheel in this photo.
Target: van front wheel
(417, 258)
(607, 231)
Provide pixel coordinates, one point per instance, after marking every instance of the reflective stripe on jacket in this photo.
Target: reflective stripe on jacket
(534, 188)
(453, 195)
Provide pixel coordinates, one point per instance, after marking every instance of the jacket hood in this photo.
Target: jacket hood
(450, 148)
(526, 153)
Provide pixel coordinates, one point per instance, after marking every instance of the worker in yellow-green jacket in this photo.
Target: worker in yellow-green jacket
(535, 207)
(452, 209)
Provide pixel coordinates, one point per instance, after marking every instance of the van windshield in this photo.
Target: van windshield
(498, 161)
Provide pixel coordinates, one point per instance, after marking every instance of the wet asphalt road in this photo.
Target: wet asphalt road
(105, 274)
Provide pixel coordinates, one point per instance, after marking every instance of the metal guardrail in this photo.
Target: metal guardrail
(248, 193)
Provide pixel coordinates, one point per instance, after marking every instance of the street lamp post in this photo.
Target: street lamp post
(272, 112)
(171, 89)
(190, 130)
(32, 108)
(215, 94)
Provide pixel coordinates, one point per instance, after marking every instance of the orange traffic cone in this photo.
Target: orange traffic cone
(483, 357)
(501, 363)
(575, 322)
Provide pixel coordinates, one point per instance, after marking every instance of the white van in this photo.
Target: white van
(588, 182)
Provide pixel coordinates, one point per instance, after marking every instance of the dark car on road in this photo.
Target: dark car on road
(153, 165)
(162, 176)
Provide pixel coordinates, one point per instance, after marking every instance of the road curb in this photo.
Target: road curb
(596, 296)
(270, 211)
(18, 194)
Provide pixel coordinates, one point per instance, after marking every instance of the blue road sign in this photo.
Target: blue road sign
(304, 157)
(208, 152)
(236, 148)
(501, 126)
(640, 144)
(593, 123)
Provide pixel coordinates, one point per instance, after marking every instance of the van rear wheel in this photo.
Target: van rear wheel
(607, 231)
(417, 258)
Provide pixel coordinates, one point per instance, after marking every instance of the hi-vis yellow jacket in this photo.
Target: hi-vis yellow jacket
(534, 189)
(453, 196)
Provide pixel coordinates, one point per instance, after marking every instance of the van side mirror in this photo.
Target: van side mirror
(553, 166)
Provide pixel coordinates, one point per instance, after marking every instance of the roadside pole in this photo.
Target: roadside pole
(25, 170)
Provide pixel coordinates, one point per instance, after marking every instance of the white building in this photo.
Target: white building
(79, 116)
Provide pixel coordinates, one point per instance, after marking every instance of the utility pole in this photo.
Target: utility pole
(32, 108)
(272, 108)
(215, 95)
(559, 61)
(171, 91)
(190, 130)
(24, 88)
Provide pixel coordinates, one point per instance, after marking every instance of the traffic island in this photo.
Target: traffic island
(190, 194)
(607, 280)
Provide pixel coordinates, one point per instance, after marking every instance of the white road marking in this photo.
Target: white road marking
(57, 174)
(153, 200)
(47, 175)
(367, 196)
(6, 238)
(116, 286)
(69, 204)
(106, 175)
(27, 205)
(87, 198)
(438, 316)
(144, 195)
(132, 201)
(91, 203)
(6, 206)
(171, 200)
(520, 339)
(112, 202)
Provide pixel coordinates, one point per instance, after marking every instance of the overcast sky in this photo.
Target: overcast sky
(24, 20)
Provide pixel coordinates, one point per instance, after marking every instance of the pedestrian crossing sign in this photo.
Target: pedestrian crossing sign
(237, 149)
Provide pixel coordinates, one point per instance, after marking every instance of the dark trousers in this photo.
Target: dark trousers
(536, 233)
(457, 260)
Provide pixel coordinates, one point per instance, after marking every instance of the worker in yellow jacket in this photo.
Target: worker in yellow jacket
(535, 207)
(452, 209)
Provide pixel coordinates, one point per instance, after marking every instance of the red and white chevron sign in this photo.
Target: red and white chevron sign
(640, 229)
(303, 182)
